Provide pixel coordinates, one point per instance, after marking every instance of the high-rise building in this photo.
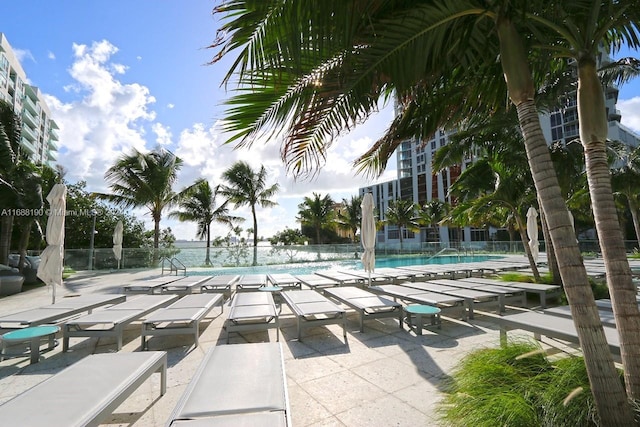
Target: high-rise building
(39, 137)
(417, 181)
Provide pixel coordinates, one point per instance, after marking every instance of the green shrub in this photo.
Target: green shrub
(569, 378)
(516, 385)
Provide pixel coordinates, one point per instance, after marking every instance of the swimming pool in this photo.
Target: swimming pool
(311, 267)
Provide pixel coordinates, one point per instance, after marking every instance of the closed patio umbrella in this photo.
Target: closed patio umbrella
(51, 259)
(117, 242)
(368, 234)
(532, 232)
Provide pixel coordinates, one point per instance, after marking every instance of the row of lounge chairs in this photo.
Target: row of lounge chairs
(250, 390)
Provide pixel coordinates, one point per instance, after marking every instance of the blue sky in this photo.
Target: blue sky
(120, 74)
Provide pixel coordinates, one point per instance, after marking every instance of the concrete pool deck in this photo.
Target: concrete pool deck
(384, 376)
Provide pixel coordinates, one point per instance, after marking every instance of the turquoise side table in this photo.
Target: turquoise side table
(32, 336)
(420, 311)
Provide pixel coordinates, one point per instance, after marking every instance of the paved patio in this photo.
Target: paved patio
(386, 376)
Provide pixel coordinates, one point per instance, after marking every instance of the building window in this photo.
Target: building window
(556, 134)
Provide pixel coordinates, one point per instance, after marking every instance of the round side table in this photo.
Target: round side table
(420, 311)
(32, 336)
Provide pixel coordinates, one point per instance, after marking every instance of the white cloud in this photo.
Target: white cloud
(163, 133)
(103, 117)
(23, 54)
(171, 106)
(51, 55)
(630, 110)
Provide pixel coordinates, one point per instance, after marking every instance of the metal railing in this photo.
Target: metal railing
(174, 265)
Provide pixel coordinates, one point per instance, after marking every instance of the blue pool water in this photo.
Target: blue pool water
(310, 267)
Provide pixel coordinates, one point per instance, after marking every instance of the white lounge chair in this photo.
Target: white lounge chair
(446, 303)
(315, 281)
(375, 277)
(252, 311)
(221, 283)
(367, 304)
(340, 277)
(185, 285)
(150, 285)
(513, 295)
(285, 281)
(558, 327)
(472, 297)
(313, 309)
(64, 308)
(542, 290)
(84, 393)
(236, 385)
(111, 321)
(181, 317)
(251, 282)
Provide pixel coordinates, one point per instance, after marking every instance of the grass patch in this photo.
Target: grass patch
(518, 386)
(68, 272)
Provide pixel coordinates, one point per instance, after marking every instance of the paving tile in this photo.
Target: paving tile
(341, 391)
(385, 411)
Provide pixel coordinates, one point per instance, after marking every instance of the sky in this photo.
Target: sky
(124, 74)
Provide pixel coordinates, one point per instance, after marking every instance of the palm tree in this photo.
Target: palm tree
(316, 212)
(581, 28)
(198, 203)
(499, 177)
(144, 180)
(402, 213)
(310, 88)
(431, 214)
(350, 217)
(246, 187)
(20, 184)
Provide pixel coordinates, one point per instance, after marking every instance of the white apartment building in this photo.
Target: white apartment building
(39, 137)
(416, 181)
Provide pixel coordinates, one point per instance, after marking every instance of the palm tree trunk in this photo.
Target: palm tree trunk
(608, 393)
(550, 250)
(6, 226)
(636, 220)
(25, 234)
(207, 259)
(593, 133)
(527, 249)
(255, 235)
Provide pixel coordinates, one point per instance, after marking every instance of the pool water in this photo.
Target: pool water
(311, 267)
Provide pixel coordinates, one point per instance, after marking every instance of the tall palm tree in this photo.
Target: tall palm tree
(20, 184)
(402, 213)
(316, 212)
(440, 58)
(581, 27)
(431, 214)
(198, 203)
(625, 180)
(350, 218)
(499, 177)
(144, 180)
(246, 187)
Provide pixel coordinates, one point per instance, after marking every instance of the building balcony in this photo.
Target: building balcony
(28, 146)
(29, 118)
(28, 133)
